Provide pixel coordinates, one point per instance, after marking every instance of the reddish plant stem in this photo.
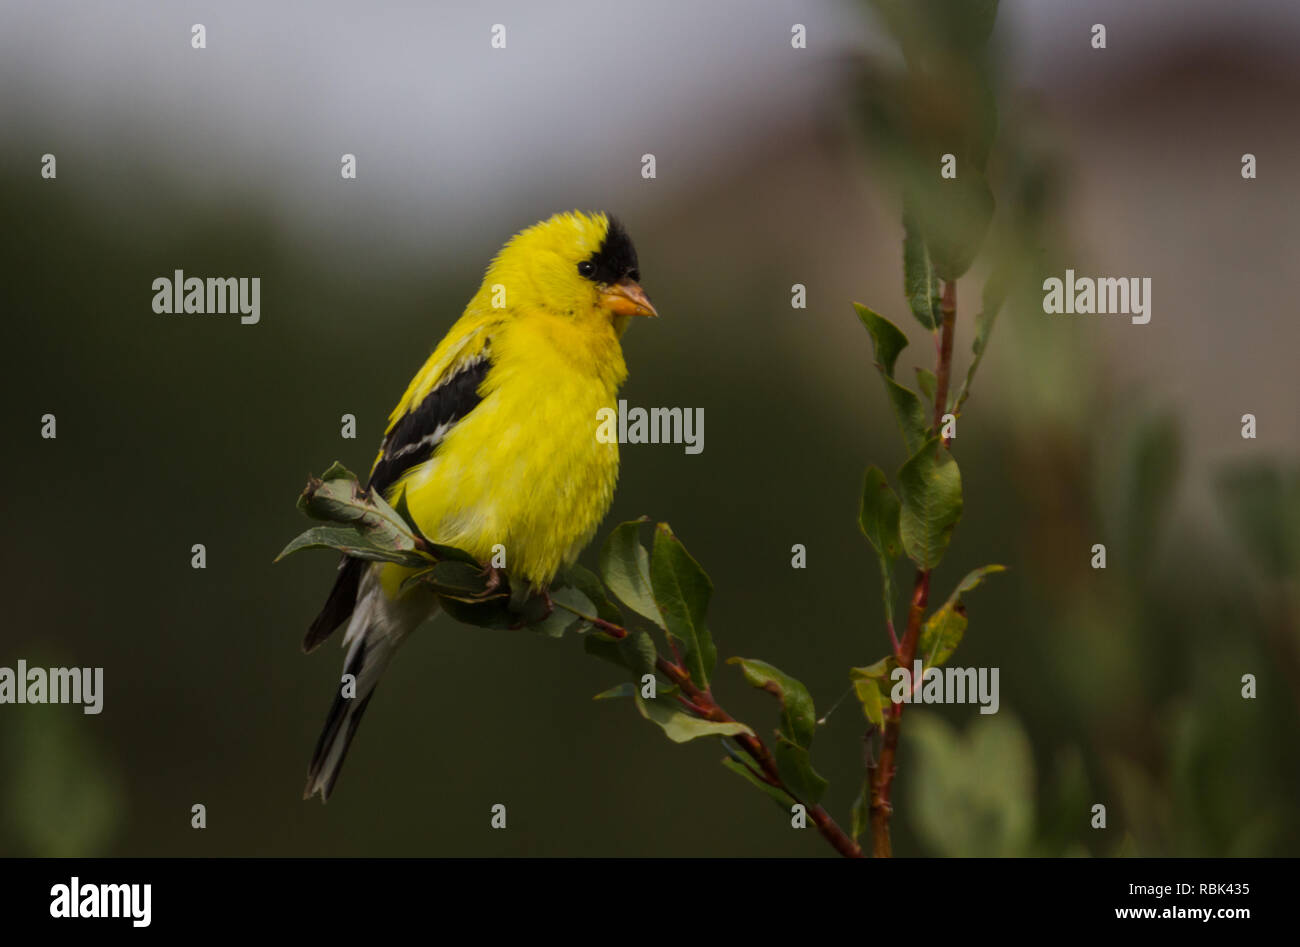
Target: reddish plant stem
(943, 374)
(756, 750)
(702, 703)
(881, 776)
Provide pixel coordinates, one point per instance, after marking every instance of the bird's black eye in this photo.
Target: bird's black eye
(587, 268)
(634, 275)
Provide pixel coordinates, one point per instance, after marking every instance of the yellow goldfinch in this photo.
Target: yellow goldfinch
(495, 442)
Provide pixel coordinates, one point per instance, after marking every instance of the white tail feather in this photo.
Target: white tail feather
(376, 629)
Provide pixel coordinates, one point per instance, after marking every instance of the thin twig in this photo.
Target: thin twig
(757, 750)
(943, 374)
(703, 704)
(882, 774)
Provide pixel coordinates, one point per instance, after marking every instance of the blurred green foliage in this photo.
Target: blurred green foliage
(62, 796)
(974, 792)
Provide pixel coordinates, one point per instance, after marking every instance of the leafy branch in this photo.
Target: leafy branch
(940, 107)
(921, 524)
(664, 586)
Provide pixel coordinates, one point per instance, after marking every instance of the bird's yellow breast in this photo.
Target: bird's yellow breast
(524, 469)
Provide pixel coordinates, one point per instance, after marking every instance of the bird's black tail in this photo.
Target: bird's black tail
(367, 658)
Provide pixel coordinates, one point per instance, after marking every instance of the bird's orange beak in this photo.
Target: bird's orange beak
(626, 298)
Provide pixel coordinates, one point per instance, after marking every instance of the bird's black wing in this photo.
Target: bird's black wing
(338, 607)
(416, 436)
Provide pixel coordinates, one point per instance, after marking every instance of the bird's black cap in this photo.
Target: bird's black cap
(616, 257)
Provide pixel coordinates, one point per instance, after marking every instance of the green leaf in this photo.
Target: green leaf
(461, 585)
(586, 582)
(565, 602)
(636, 652)
(942, 633)
(418, 577)
(920, 284)
(347, 540)
(626, 689)
(974, 579)
(779, 796)
(871, 684)
(365, 525)
(337, 497)
(873, 705)
(888, 340)
(458, 579)
(944, 629)
(798, 718)
(861, 811)
(794, 763)
(928, 384)
(878, 520)
(912, 417)
(681, 727)
(336, 471)
(485, 613)
(682, 591)
(953, 214)
(450, 553)
(930, 484)
(625, 567)
(878, 514)
(992, 297)
(879, 671)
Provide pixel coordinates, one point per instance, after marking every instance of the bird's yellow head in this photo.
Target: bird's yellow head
(571, 264)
